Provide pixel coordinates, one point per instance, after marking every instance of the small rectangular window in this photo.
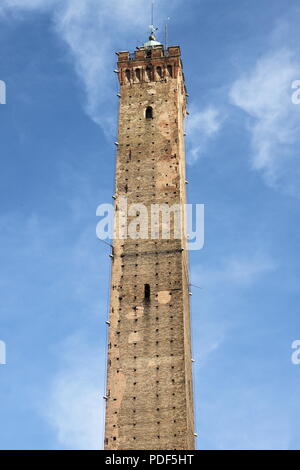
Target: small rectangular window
(149, 113)
(147, 291)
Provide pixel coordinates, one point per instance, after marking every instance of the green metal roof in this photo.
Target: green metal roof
(152, 43)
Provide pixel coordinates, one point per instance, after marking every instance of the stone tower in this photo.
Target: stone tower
(149, 398)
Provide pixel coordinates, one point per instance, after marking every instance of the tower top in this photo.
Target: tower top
(152, 39)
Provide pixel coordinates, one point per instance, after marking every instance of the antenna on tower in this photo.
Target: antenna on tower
(152, 27)
(152, 13)
(166, 33)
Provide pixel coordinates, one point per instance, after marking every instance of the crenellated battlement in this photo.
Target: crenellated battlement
(149, 64)
(149, 53)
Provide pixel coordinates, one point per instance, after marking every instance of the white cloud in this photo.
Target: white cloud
(220, 284)
(265, 93)
(240, 271)
(202, 126)
(13, 5)
(248, 414)
(75, 406)
(93, 30)
(61, 265)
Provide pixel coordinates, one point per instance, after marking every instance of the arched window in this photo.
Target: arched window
(138, 74)
(159, 72)
(147, 292)
(149, 113)
(127, 76)
(149, 73)
(170, 70)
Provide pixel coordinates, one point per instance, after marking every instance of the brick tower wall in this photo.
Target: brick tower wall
(149, 378)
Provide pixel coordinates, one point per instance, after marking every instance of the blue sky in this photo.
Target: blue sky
(57, 165)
